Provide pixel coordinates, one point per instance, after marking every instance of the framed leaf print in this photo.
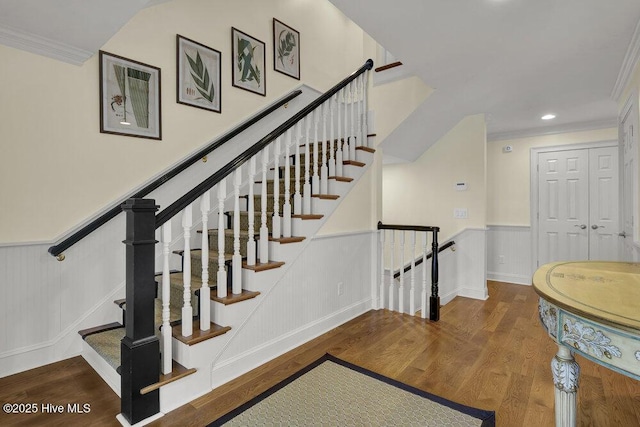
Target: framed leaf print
(248, 63)
(129, 97)
(286, 49)
(198, 75)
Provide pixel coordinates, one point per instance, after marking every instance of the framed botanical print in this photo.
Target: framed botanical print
(198, 75)
(248, 63)
(129, 97)
(286, 49)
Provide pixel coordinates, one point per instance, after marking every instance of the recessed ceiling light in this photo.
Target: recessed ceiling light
(548, 117)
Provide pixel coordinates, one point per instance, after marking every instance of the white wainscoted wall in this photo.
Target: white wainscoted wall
(509, 254)
(305, 303)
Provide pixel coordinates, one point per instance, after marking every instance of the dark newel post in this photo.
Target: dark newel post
(140, 348)
(434, 300)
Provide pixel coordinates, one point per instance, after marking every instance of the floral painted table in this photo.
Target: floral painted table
(591, 308)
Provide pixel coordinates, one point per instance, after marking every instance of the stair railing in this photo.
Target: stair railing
(304, 135)
(390, 288)
(58, 249)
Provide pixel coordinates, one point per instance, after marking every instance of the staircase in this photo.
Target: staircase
(223, 247)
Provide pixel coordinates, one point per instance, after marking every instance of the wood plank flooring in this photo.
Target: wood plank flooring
(488, 354)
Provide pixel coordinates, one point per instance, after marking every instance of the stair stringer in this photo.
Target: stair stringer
(208, 357)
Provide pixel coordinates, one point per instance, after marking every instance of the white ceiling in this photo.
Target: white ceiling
(513, 60)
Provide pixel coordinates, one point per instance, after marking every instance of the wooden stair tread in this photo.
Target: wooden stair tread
(326, 196)
(234, 298)
(341, 178)
(262, 266)
(293, 239)
(198, 335)
(365, 148)
(177, 372)
(97, 329)
(308, 216)
(353, 163)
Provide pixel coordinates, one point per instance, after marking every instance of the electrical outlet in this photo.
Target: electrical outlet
(500, 259)
(340, 288)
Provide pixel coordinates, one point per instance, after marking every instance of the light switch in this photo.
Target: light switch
(460, 213)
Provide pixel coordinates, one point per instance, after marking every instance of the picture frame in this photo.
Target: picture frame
(130, 98)
(286, 49)
(248, 63)
(198, 75)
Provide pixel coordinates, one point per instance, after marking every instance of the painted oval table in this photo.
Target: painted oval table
(591, 308)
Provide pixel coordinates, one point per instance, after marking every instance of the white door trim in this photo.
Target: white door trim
(533, 178)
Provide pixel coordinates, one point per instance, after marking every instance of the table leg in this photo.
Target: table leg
(566, 373)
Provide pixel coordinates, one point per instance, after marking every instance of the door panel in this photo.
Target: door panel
(563, 204)
(603, 209)
(628, 143)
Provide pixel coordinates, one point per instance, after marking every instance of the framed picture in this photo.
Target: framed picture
(198, 75)
(286, 49)
(248, 63)
(129, 97)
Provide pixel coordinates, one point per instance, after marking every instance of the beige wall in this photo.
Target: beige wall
(508, 174)
(56, 169)
(424, 193)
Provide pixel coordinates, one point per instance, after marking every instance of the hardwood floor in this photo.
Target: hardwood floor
(488, 354)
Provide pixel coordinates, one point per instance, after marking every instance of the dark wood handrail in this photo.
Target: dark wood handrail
(57, 249)
(419, 260)
(191, 196)
(382, 226)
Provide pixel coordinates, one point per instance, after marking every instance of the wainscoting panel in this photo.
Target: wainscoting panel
(305, 303)
(509, 254)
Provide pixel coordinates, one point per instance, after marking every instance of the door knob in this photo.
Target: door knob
(582, 226)
(595, 227)
(623, 235)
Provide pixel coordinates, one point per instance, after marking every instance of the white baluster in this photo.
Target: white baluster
(423, 298)
(324, 173)
(391, 279)
(222, 273)
(315, 179)
(286, 208)
(187, 310)
(365, 117)
(236, 261)
(352, 134)
(306, 189)
(345, 138)
(297, 198)
(205, 292)
(412, 289)
(251, 243)
(275, 224)
(166, 295)
(264, 230)
(401, 290)
(339, 157)
(359, 97)
(381, 258)
(332, 136)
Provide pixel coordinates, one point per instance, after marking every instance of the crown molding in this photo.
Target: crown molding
(41, 46)
(629, 63)
(551, 130)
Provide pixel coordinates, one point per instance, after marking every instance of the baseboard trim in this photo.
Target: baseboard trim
(517, 279)
(230, 369)
(473, 293)
(122, 420)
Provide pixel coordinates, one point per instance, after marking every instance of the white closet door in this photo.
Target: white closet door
(603, 207)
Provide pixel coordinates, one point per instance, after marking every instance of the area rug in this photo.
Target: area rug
(332, 392)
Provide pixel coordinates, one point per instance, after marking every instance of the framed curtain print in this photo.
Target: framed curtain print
(286, 49)
(129, 97)
(248, 63)
(198, 75)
